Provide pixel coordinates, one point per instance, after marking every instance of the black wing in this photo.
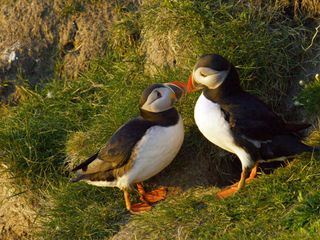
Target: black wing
(118, 149)
(250, 117)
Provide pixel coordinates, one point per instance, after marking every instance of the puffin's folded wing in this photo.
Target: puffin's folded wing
(250, 117)
(256, 129)
(117, 151)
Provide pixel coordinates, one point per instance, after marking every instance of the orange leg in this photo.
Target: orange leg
(135, 208)
(229, 191)
(253, 173)
(242, 181)
(153, 196)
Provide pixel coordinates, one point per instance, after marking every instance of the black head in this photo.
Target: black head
(214, 62)
(214, 72)
(161, 97)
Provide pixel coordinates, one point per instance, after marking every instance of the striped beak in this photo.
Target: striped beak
(179, 88)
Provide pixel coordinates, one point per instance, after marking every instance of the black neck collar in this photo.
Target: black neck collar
(165, 118)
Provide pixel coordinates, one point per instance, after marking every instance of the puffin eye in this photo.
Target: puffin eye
(202, 74)
(158, 94)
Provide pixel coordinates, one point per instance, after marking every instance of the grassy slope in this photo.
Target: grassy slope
(278, 206)
(71, 119)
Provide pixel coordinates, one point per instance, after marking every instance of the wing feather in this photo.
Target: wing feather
(116, 153)
(250, 117)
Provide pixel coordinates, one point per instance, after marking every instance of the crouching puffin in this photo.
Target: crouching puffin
(139, 149)
(239, 122)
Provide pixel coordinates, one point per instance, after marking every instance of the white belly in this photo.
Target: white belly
(155, 151)
(212, 124)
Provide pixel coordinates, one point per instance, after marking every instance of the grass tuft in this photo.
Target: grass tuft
(310, 97)
(33, 135)
(79, 211)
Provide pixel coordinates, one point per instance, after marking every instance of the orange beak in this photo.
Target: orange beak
(190, 87)
(179, 88)
(181, 85)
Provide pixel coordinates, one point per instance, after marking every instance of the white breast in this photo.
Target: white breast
(155, 151)
(212, 124)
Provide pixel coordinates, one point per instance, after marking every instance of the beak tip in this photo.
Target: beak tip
(181, 85)
(190, 86)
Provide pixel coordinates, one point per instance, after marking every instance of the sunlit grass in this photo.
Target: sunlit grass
(274, 206)
(56, 126)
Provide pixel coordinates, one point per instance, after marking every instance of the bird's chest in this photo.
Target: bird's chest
(212, 124)
(156, 150)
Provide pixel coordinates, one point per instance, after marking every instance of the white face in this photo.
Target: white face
(159, 100)
(208, 77)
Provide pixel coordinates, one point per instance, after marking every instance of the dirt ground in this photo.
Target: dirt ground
(17, 214)
(63, 37)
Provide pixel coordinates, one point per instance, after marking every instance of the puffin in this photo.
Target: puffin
(140, 148)
(239, 122)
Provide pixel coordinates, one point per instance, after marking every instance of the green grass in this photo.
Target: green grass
(310, 97)
(56, 126)
(83, 212)
(257, 40)
(277, 206)
(33, 134)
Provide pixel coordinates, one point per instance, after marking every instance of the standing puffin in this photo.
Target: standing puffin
(139, 149)
(239, 122)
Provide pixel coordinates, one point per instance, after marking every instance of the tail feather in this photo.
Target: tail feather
(77, 179)
(84, 165)
(284, 146)
(97, 176)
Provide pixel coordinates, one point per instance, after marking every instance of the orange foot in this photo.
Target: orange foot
(154, 196)
(228, 191)
(138, 208)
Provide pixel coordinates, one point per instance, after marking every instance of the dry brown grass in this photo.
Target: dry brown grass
(306, 8)
(166, 38)
(26, 29)
(90, 39)
(69, 34)
(17, 216)
(310, 8)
